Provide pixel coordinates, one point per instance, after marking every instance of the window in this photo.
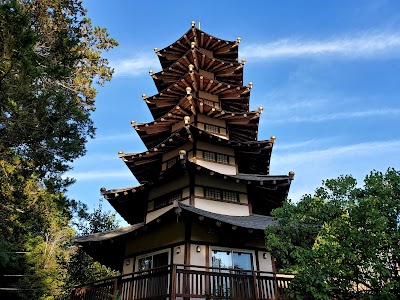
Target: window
(209, 155)
(212, 193)
(234, 262)
(230, 196)
(171, 162)
(211, 128)
(219, 194)
(221, 158)
(167, 199)
(153, 261)
(232, 259)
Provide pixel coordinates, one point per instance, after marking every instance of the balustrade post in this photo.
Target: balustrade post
(276, 290)
(173, 282)
(117, 287)
(255, 285)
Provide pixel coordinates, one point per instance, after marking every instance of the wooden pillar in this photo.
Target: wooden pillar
(173, 283)
(188, 235)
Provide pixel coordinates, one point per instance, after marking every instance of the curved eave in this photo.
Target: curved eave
(146, 166)
(242, 126)
(222, 49)
(228, 72)
(277, 183)
(130, 202)
(233, 98)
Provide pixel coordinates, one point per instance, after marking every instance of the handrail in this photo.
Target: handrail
(188, 281)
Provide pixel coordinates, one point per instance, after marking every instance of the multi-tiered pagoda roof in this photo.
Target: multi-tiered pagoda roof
(204, 180)
(199, 87)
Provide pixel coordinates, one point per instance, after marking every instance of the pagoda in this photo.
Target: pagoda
(205, 194)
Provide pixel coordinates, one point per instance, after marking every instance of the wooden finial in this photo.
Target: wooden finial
(238, 40)
(156, 50)
(243, 61)
(187, 119)
(261, 109)
(192, 45)
(250, 85)
(291, 175)
(151, 72)
(191, 68)
(188, 90)
(144, 96)
(120, 153)
(133, 123)
(273, 139)
(193, 23)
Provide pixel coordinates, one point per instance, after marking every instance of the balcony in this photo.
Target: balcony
(187, 282)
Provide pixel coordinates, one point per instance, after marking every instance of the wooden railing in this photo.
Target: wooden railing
(187, 282)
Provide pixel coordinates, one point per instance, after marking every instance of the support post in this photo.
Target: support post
(173, 282)
(255, 285)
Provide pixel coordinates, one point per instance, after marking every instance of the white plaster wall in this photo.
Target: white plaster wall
(265, 263)
(179, 258)
(197, 258)
(128, 268)
(218, 207)
(217, 167)
(155, 214)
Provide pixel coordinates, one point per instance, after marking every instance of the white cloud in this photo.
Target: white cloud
(364, 44)
(355, 150)
(341, 115)
(115, 137)
(311, 167)
(100, 174)
(136, 65)
(299, 144)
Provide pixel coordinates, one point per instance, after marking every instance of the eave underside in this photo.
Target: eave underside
(252, 157)
(242, 127)
(267, 191)
(233, 98)
(228, 72)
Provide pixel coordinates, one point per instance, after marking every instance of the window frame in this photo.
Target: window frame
(221, 194)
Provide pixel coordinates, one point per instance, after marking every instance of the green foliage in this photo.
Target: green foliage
(81, 268)
(51, 57)
(342, 242)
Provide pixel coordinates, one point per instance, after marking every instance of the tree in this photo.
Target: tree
(51, 55)
(343, 242)
(80, 267)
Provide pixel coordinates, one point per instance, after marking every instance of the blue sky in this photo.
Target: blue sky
(326, 72)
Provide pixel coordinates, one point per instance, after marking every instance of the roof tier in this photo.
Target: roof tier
(251, 157)
(242, 126)
(233, 98)
(228, 72)
(266, 192)
(100, 245)
(195, 38)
